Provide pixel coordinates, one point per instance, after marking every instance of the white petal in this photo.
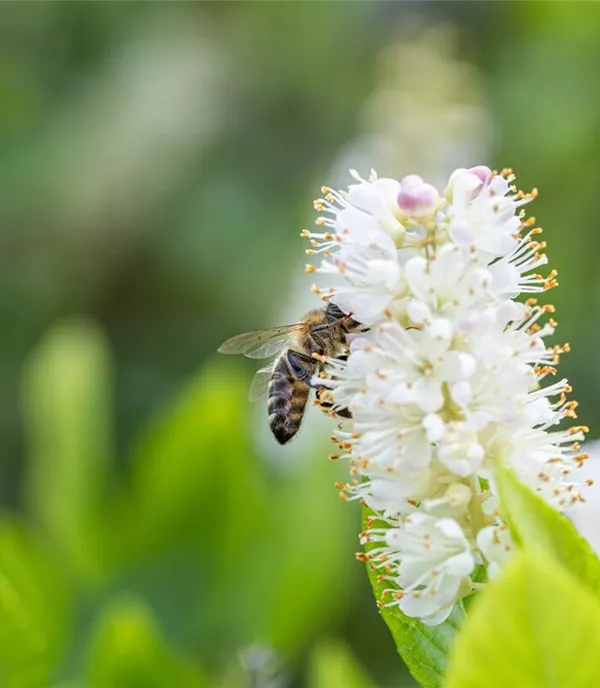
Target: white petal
(428, 395)
(505, 279)
(461, 234)
(358, 225)
(449, 528)
(434, 427)
(388, 188)
(457, 365)
(496, 544)
(418, 312)
(461, 392)
(365, 197)
(365, 307)
(440, 328)
(400, 394)
(465, 185)
(467, 364)
(460, 565)
(418, 451)
(417, 277)
(433, 608)
(479, 419)
(439, 617)
(387, 271)
(462, 458)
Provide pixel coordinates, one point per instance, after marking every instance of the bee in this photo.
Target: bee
(300, 349)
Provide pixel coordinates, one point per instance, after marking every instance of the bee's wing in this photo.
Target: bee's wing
(260, 383)
(261, 343)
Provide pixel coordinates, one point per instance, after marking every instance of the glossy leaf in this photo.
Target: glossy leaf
(535, 626)
(536, 524)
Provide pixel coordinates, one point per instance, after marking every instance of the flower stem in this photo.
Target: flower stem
(475, 512)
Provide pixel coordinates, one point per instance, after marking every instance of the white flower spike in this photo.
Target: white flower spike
(448, 379)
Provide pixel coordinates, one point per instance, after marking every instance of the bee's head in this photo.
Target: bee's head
(334, 313)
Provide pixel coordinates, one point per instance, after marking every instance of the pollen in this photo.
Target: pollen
(573, 430)
(529, 222)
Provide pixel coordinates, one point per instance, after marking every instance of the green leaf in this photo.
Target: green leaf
(128, 650)
(308, 554)
(534, 523)
(332, 664)
(534, 627)
(33, 608)
(424, 649)
(194, 480)
(67, 389)
(193, 511)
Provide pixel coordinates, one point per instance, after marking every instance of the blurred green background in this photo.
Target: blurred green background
(157, 162)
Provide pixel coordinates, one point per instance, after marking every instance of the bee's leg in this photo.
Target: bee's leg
(342, 412)
(326, 405)
(301, 366)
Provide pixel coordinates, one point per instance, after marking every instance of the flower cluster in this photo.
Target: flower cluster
(447, 377)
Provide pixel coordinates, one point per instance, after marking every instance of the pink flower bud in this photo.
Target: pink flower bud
(482, 172)
(412, 180)
(417, 198)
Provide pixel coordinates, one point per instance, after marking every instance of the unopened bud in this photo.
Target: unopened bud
(417, 198)
(482, 172)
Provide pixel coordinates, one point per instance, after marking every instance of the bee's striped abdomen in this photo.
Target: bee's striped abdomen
(287, 401)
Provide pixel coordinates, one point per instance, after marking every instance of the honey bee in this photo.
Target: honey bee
(299, 349)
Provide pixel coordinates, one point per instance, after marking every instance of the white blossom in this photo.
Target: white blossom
(433, 557)
(496, 545)
(447, 377)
